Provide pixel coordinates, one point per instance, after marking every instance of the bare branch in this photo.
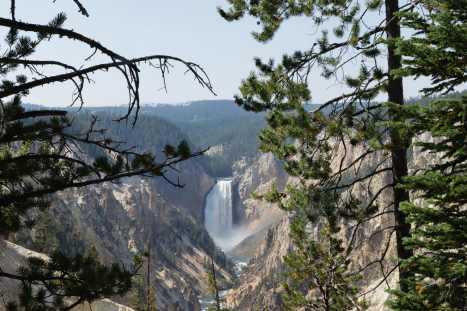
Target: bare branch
(13, 9)
(12, 197)
(81, 8)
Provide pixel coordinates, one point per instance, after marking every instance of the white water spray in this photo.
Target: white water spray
(218, 216)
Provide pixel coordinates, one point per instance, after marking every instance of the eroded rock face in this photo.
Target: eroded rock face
(102, 305)
(121, 220)
(262, 170)
(257, 177)
(13, 256)
(260, 285)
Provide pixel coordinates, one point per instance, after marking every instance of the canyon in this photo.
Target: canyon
(215, 215)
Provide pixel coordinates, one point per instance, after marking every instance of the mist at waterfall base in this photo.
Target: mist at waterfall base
(218, 216)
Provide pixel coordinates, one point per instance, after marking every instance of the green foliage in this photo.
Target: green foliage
(319, 276)
(212, 280)
(279, 85)
(318, 262)
(237, 136)
(203, 124)
(45, 234)
(320, 198)
(35, 158)
(42, 152)
(139, 299)
(18, 163)
(64, 276)
(138, 293)
(437, 48)
(216, 124)
(271, 14)
(437, 212)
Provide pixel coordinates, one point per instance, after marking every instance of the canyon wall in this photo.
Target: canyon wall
(260, 285)
(120, 220)
(257, 216)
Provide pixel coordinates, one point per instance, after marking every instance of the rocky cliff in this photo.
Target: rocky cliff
(260, 285)
(257, 216)
(122, 220)
(13, 256)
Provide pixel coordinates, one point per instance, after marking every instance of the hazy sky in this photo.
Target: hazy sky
(191, 29)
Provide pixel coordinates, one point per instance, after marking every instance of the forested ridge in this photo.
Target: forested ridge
(204, 124)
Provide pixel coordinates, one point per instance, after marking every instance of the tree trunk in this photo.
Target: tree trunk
(399, 149)
(216, 289)
(149, 300)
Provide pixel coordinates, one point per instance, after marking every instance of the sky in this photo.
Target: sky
(190, 29)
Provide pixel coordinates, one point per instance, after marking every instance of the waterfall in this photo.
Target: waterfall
(218, 216)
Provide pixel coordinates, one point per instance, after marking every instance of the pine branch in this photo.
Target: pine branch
(13, 197)
(81, 8)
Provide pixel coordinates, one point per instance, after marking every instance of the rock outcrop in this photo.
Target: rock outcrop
(260, 285)
(256, 216)
(122, 220)
(13, 256)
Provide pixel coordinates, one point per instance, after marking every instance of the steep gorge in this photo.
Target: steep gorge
(122, 220)
(260, 286)
(117, 221)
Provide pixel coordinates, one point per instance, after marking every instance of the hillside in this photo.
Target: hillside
(230, 131)
(120, 220)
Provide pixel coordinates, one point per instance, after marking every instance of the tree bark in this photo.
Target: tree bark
(216, 289)
(399, 149)
(148, 280)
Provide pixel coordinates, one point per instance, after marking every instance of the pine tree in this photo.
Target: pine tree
(214, 286)
(150, 292)
(315, 145)
(318, 262)
(437, 47)
(311, 144)
(137, 295)
(62, 283)
(41, 153)
(437, 211)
